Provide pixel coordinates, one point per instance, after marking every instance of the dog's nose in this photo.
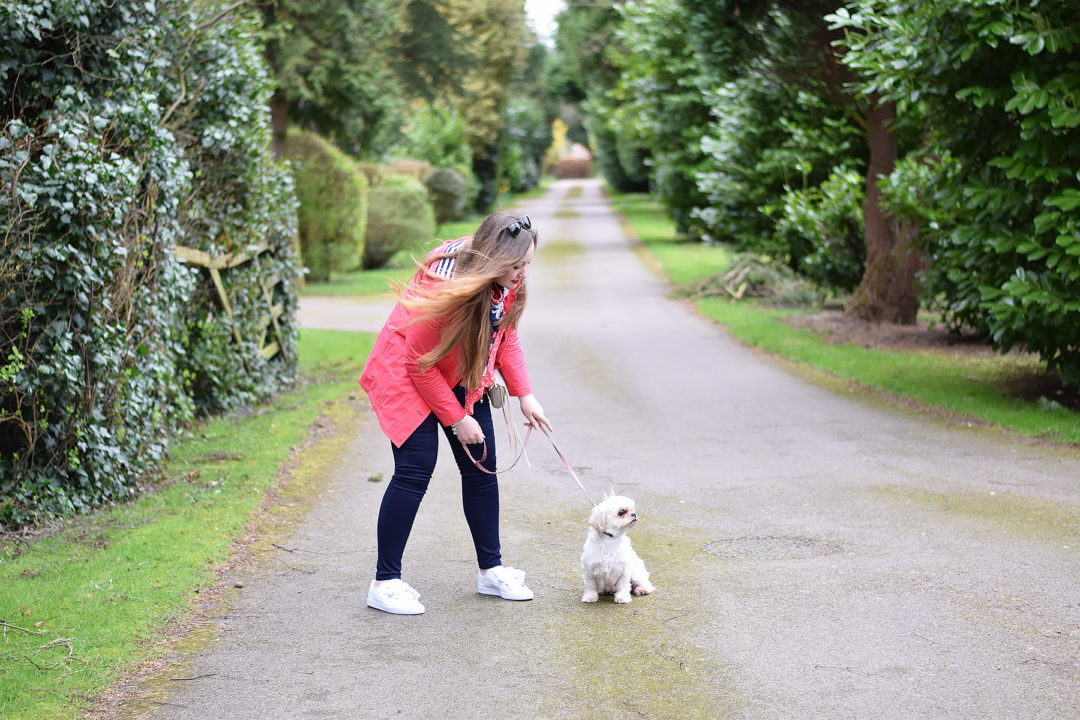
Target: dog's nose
(633, 515)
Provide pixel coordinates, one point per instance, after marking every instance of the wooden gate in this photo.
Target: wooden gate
(230, 260)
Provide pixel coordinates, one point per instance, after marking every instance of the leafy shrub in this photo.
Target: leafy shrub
(96, 189)
(766, 140)
(372, 172)
(400, 217)
(449, 194)
(523, 140)
(997, 104)
(823, 227)
(621, 162)
(242, 200)
(89, 313)
(439, 135)
(332, 192)
(419, 169)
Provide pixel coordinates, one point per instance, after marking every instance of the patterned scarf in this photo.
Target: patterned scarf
(498, 308)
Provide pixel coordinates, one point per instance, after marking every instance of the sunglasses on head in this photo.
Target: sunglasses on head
(523, 223)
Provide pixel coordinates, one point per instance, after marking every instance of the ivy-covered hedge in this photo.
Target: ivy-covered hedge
(127, 129)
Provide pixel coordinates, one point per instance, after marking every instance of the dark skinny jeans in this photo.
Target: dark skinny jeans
(414, 462)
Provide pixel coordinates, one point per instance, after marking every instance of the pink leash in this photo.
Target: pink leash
(521, 452)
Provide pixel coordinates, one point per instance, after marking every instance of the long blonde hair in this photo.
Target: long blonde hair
(463, 302)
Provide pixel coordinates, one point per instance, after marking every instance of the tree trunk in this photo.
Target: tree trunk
(279, 122)
(887, 290)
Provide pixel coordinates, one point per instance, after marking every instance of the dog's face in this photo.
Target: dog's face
(614, 515)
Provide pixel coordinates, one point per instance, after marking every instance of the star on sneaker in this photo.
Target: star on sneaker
(506, 582)
(394, 596)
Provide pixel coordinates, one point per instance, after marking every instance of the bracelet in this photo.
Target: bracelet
(453, 426)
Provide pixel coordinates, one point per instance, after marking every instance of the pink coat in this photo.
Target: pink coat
(402, 395)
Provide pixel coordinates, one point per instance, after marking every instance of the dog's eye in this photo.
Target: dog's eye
(622, 512)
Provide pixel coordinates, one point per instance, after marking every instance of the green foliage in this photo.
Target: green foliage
(89, 313)
(524, 138)
(96, 189)
(662, 106)
(436, 133)
(332, 65)
(622, 162)
(332, 192)
(400, 217)
(242, 200)
(998, 101)
(428, 58)
(823, 227)
(449, 194)
(765, 141)
(582, 70)
(498, 36)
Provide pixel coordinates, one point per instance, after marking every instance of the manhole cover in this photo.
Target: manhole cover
(770, 547)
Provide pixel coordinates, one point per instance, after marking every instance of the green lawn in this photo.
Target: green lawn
(981, 388)
(86, 604)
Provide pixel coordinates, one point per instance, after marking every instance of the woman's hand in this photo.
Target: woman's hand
(533, 413)
(469, 432)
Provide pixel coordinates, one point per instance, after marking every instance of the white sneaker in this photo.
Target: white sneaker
(506, 582)
(394, 596)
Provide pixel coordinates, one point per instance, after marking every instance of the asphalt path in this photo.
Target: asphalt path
(816, 554)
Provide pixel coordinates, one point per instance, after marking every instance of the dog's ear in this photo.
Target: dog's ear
(598, 518)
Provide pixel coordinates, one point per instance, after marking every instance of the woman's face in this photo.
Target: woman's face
(517, 273)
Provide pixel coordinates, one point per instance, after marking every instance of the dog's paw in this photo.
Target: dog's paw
(644, 589)
(622, 598)
(590, 596)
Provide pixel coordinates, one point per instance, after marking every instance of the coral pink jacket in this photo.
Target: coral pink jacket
(402, 395)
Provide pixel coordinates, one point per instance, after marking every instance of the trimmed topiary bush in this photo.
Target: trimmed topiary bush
(400, 218)
(419, 169)
(333, 195)
(449, 194)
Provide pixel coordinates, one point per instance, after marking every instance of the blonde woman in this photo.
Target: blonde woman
(455, 324)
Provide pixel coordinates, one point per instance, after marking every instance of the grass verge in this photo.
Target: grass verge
(86, 603)
(977, 388)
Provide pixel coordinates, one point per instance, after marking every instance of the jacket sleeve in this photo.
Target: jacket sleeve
(432, 386)
(510, 361)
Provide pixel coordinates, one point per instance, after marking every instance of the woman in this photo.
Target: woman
(454, 325)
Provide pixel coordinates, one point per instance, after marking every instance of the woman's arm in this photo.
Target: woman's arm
(420, 339)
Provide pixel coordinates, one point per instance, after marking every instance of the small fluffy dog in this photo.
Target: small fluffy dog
(608, 562)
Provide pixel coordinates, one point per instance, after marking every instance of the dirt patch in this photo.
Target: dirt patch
(923, 335)
(1021, 375)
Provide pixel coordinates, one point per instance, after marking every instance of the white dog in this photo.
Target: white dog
(608, 562)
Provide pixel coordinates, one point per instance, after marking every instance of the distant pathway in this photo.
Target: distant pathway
(816, 556)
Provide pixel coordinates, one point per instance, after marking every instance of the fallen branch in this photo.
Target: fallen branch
(16, 627)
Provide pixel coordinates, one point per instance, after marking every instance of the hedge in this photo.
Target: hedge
(128, 130)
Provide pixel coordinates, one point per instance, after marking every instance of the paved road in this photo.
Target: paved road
(816, 556)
